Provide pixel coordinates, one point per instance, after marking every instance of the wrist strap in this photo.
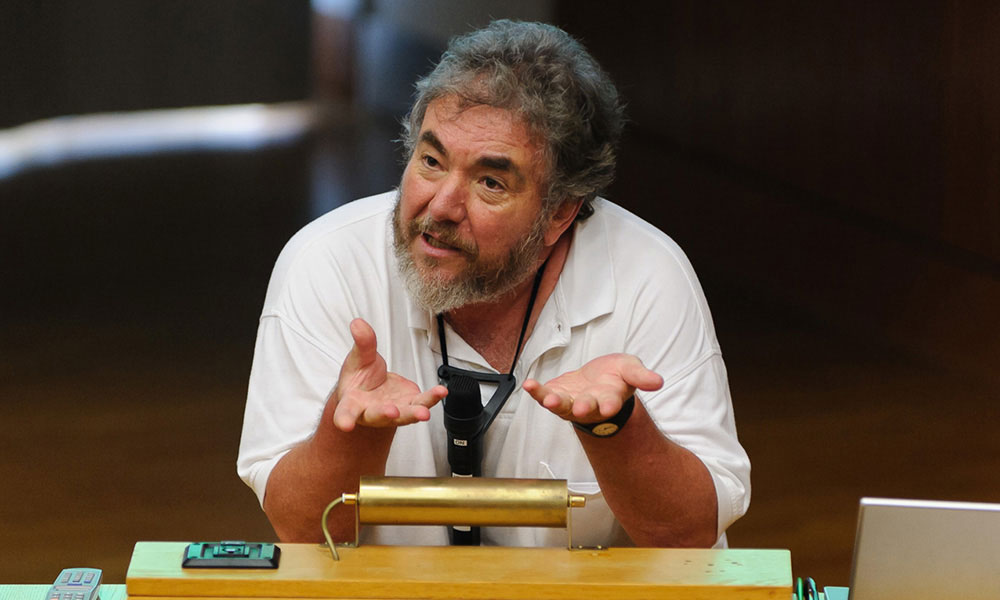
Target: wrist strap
(611, 426)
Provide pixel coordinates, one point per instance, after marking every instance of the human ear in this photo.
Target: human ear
(561, 219)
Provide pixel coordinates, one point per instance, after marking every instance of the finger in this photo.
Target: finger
(384, 414)
(378, 415)
(412, 414)
(609, 405)
(364, 351)
(547, 397)
(346, 415)
(419, 407)
(585, 407)
(635, 374)
(535, 389)
(430, 397)
(557, 403)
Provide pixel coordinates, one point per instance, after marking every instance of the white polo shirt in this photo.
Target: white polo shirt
(625, 287)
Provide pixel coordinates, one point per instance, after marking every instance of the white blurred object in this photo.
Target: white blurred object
(236, 127)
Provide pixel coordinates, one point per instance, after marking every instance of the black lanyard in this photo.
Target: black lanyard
(505, 382)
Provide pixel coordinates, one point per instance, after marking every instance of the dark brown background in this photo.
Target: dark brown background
(832, 169)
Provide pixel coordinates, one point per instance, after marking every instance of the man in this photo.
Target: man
(495, 255)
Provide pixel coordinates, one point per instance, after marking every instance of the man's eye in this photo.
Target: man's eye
(430, 161)
(492, 184)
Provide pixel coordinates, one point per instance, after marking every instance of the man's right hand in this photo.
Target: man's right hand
(333, 460)
(368, 394)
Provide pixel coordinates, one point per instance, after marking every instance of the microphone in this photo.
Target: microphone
(463, 411)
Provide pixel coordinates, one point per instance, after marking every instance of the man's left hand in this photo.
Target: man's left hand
(596, 391)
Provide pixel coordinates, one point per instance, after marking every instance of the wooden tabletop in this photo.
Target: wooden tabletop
(452, 573)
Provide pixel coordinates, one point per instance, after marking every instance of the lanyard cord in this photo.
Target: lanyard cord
(524, 326)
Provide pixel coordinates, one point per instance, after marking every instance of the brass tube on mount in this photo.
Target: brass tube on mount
(472, 501)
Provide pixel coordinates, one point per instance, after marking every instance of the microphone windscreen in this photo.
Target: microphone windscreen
(463, 400)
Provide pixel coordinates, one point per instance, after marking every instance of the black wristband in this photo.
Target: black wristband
(613, 425)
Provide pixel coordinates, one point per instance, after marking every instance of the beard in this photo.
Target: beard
(481, 281)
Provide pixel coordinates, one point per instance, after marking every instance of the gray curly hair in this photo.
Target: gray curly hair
(551, 82)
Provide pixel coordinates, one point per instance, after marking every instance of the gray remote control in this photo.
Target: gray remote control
(75, 584)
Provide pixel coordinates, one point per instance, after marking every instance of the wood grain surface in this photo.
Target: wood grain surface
(308, 571)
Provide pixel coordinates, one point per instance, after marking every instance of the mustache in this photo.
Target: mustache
(447, 234)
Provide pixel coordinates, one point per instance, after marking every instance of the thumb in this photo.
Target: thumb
(364, 351)
(638, 376)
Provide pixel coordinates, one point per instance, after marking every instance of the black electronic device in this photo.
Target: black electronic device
(463, 421)
(463, 413)
(79, 583)
(231, 555)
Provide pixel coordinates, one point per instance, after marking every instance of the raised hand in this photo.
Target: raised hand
(369, 395)
(596, 391)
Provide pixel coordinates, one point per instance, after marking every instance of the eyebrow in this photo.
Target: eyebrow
(430, 138)
(496, 163)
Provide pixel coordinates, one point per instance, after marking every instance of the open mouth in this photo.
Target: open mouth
(437, 243)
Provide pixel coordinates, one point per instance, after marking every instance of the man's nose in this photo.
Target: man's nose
(448, 203)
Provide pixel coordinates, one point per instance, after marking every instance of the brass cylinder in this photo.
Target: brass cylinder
(474, 501)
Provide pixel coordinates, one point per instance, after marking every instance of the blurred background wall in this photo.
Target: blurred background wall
(831, 168)
(853, 153)
(65, 58)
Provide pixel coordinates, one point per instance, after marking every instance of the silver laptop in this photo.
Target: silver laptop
(924, 550)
